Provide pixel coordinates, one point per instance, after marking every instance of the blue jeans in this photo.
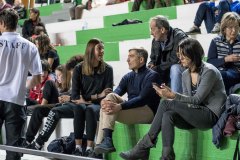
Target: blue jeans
(176, 77)
(206, 13)
(230, 78)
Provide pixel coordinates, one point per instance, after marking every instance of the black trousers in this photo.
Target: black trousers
(80, 113)
(172, 113)
(36, 121)
(14, 117)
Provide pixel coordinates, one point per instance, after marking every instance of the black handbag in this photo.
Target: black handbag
(236, 155)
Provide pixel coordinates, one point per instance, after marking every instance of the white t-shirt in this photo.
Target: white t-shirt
(17, 57)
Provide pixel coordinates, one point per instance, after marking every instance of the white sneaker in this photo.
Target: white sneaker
(216, 28)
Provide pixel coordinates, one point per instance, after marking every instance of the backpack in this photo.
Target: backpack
(64, 144)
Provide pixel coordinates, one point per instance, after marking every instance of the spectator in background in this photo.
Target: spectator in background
(52, 93)
(163, 3)
(73, 61)
(198, 107)
(30, 24)
(76, 10)
(36, 95)
(224, 50)
(21, 10)
(163, 56)
(38, 30)
(47, 51)
(212, 15)
(137, 4)
(4, 5)
(111, 2)
(17, 56)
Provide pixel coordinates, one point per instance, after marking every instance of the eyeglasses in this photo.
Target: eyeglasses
(236, 27)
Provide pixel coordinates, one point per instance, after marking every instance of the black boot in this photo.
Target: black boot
(140, 151)
(168, 154)
(105, 147)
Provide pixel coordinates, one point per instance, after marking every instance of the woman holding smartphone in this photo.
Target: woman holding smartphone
(198, 107)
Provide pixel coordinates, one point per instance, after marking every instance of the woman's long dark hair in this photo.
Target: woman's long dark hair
(88, 68)
(44, 44)
(192, 49)
(66, 79)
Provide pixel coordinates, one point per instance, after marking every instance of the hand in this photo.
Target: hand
(164, 91)
(64, 98)
(106, 105)
(150, 65)
(110, 107)
(105, 92)
(60, 99)
(232, 58)
(81, 101)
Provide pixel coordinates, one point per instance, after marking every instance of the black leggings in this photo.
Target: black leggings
(173, 113)
(36, 121)
(80, 113)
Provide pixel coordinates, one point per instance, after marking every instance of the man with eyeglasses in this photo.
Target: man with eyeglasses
(163, 53)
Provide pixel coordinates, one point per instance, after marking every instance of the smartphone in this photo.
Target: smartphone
(157, 85)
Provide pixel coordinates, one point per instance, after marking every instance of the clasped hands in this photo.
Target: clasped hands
(110, 107)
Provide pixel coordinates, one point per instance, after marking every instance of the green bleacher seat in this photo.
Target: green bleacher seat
(111, 51)
(145, 15)
(189, 145)
(115, 34)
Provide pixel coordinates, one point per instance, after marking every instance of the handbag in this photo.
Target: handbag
(236, 155)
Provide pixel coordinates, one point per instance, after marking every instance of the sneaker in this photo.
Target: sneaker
(34, 146)
(105, 147)
(194, 30)
(88, 153)
(77, 152)
(25, 144)
(216, 28)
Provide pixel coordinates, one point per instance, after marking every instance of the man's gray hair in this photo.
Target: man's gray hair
(161, 21)
(141, 52)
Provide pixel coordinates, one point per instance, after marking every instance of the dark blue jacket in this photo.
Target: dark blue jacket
(139, 88)
(232, 108)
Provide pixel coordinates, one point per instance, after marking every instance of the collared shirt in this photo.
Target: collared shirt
(18, 56)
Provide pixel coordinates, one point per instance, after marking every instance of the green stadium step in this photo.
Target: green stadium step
(111, 51)
(145, 15)
(115, 34)
(45, 11)
(189, 144)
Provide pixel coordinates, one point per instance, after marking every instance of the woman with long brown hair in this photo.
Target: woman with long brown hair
(92, 80)
(47, 51)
